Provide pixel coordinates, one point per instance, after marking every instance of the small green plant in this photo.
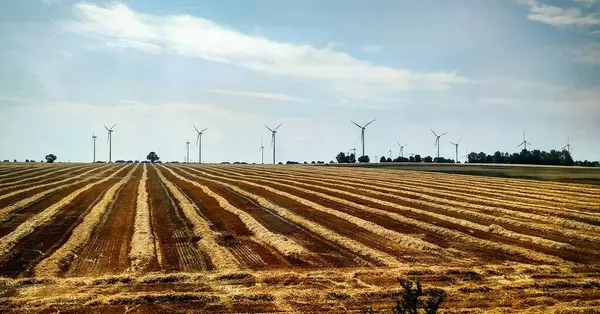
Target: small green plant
(412, 299)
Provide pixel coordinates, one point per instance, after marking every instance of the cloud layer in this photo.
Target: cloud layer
(197, 37)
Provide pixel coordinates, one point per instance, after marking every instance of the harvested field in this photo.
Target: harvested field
(241, 238)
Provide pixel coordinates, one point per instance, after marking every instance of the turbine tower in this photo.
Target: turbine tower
(525, 142)
(456, 147)
(262, 153)
(568, 146)
(362, 134)
(437, 142)
(401, 149)
(94, 142)
(199, 143)
(273, 132)
(187, 155)
(109, 140)
(390, 154)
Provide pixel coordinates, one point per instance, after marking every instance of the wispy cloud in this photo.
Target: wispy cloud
(197, 37)
(557, 16)
(371, 48)
(270, 96)
(588, 53)
(588, 3)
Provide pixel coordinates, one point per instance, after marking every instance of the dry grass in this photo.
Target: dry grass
(8, 210)
(52, 265)
(221, 258)
(142, 242)
(42, 176)
(319, 229)
(510, 249)
(29, 226)
(470, 210)
(278, 241)
(404, 239)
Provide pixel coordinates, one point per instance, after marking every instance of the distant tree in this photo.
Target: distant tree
(389, 159)
(320, 162)
(382, 159)
(341, 158)
(352, 158)
(364, 159)
(428, 159)
(402, 159)
(26, 160)
(153, 157)
(15, 160)
(50, 158)
(418, 158)
(312, 162)
(280, 163)
(411, 159)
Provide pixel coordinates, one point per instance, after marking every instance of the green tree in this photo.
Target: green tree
(428, 159)
(364, 159)
(382, 159)
(50, 158)
(341, 158)
(153, 157)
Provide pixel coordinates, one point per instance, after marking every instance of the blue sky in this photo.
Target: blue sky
(478, 69)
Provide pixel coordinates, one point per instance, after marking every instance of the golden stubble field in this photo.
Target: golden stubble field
(243, 238)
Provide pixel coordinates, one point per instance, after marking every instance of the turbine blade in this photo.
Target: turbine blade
(113, 126)
(460, 140)
(105, 127)
(398, 143)
(269, 128)
(204, 130)
(369, 123)
(433, 132)
(196, 129)
(278, 126)
(520, 144)
(197, 139)
(443, 134)
(452, 143)
(356, 124)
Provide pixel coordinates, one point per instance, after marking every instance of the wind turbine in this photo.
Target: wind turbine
(94, 142)
(437, 142)
(525, 142)
(262, 155)
(109, 140)
(466, 156)
(187, 155)
(568, 146)
(273, 132)
(456, 147)
(401, 149)
(390, 154)
(199, 143)
(362, 134)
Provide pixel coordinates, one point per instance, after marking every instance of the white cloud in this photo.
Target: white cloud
(588, 53)
(269, 96)
(371, 48)
(559, 17)
(192, 36)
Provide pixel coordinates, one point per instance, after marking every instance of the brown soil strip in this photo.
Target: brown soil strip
(107, 251)
(66, 172)
(234, 233)
(47, 238)
(486, 254)
(176, 244)
(23, 214)
(332, 253)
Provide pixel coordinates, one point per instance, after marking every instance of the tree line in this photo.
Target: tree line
(525, 157)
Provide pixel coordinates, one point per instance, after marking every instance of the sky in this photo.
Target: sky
(480, 70)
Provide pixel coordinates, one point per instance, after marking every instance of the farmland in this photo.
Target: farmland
(250, 238)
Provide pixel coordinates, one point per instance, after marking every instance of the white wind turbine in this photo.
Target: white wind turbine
(109, 140)
(199, 143)
(273, 132)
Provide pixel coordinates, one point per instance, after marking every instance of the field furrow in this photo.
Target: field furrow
(41, 235)
(142, 251)
(232, 232)
(208, 241)
(24, 172)
(21, 209)
(175, 241)
(41, 177)
(40, 190)
(98, 238)
(553, 228)
(329, 253)
(483, 239)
